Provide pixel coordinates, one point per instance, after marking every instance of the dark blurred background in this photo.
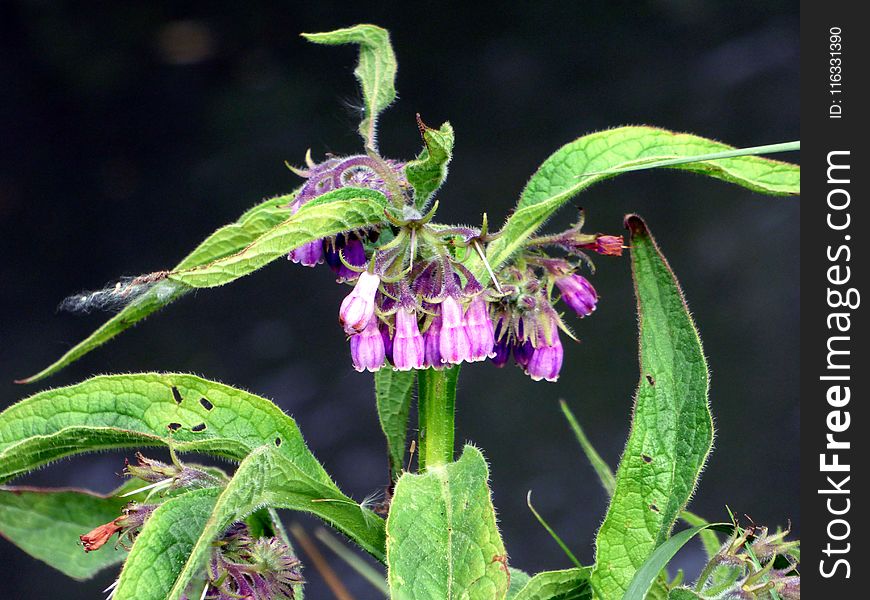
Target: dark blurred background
(131, 130)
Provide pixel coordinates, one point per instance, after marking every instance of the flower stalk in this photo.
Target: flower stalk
(436, 413)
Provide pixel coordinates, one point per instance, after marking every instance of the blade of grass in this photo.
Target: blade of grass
(605, 474)
(552, 533)
(353, 560)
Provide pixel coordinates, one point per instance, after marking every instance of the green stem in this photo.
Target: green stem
(436, 406)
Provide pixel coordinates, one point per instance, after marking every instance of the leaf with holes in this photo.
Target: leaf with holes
(672, 429)
(227, 240)
(149, 409)
(376, 71)
(268, 478)
(442, 539)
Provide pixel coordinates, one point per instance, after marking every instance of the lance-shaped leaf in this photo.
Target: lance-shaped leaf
(568, 584)
(150, 409)
(442, 539)
(376, 71)
(429, 170)
(393, 391)
(647, 574)
(227, 240)
(268, 478)
(47, 523)
(164, 544)
(672, 430)
(564, 175)
(336, 212)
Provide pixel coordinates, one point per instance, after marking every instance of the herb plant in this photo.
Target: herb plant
(423, 299)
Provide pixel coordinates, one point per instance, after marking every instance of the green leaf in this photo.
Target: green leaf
(708, 537)
(564, 175)
(569, 584)
(227, 240)
(646, 575)
(429, 170)
(605, 474)
(335, 212)
(376, 71)
(28, 514)
(122, 411)
(672, 429)
(268, 478)
(442, 539)
(518, 580)
(393, 391)
(163, 545)
(684, 594)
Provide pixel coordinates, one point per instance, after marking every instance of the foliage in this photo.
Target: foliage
(428, 297)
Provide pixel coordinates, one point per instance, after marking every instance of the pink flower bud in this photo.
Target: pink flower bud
(367, 348)
(481, 335)
(408, 344)
(454, 343)
(359, 306)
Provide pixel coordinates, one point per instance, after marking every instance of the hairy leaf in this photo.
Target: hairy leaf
(268, 478)
(393, 391)
(163, 545)
(428, 172)
(225, 241)
(672, 429)
(563, 175)
(568, 584)
(649, 571)
(335, 212)
(47, 523)
(684, 594)
(442, 539)
(376, 71)
(150, 409)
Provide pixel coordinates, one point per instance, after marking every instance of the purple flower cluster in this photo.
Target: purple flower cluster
(415, 305)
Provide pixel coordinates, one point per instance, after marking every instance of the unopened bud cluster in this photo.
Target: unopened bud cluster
(415, 305)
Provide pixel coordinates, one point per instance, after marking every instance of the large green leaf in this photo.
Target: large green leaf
(442, 539)
(569, 584)
(672, 430)
(164, 544)
(429, 170)
(28, 514)
(393, 391)
(268, 478)
(335, 212)
(225, 241)
(376, 71)
(151, 409)
(563, 175)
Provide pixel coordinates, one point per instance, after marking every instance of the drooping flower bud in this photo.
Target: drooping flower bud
(388, 341)
(578, 293)
(97, 538)
(481, 336)
(432, 343)
(308, 255)
(359, 306)
(367, 348)
(501, 353)
(607, 245)
(408, 350)
(454, 344)
(523, 351)
(546, 360)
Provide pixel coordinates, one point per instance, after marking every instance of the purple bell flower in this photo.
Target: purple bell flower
(407, 343)
(432, 343)
(546, 360)
(358, 307)
(388, 342)
(481, 336)
(501, 353)
(354, 253)
(578, 293)
(454, 344)
(523, 351)
(367, 348)
(308, 255)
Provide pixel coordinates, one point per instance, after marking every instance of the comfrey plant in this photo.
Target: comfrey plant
(423, 298)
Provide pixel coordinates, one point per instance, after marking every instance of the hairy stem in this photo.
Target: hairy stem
(436, 412)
